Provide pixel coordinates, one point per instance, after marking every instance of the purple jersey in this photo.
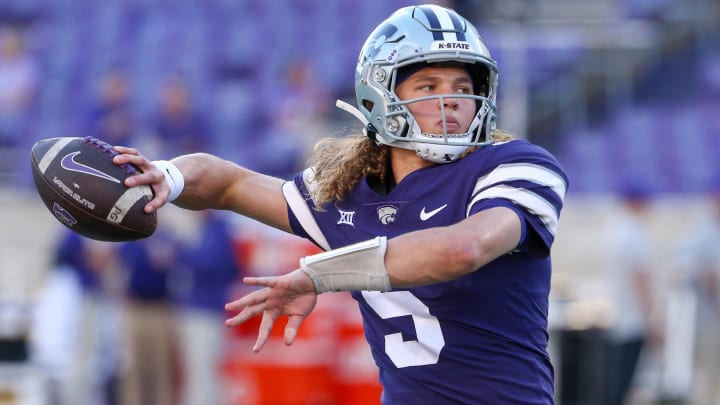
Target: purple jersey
(481, 338)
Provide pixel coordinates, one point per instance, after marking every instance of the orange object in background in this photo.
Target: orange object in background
(328, 364)
(280, 374)
(355, 375)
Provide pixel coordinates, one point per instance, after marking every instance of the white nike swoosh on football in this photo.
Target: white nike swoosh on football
(68, 163)
(424, 216)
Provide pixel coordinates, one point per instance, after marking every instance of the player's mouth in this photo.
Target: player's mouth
(451, 125)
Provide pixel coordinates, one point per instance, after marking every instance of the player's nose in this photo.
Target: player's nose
(448, 102)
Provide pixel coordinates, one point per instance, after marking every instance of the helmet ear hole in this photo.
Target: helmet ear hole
(481, 79)
(368, 104)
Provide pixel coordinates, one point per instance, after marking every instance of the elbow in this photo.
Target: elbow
(475, 253)
(468, 257)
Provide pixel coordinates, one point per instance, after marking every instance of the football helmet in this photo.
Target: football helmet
(423, 34)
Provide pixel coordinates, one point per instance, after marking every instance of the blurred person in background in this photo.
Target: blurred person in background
(149, 322)
(178, 126)
(439, 224)
(111, 117)
(699, 263)
(207, 272)
(74, 334)
(304, 105)
(19, 80)
(19, 83)
(634, 328)
(300, 117)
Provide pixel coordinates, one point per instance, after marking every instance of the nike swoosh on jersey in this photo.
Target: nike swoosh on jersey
(424, 216)
(68, 163)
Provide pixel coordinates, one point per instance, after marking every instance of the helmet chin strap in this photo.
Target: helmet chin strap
(473, 126)
(436, 153)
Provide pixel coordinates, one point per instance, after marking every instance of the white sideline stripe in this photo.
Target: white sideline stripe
(535, 204)
(524, 171)
(295, 200)
(125, 202)
(52, 153)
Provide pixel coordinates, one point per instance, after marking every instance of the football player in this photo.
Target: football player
(439, 224)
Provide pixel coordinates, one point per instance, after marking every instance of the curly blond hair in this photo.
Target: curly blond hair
(340, 164)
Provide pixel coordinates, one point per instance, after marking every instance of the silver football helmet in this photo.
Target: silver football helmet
(422, 34)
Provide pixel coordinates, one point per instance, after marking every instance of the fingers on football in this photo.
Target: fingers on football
(155, 204)
(126, 150)
(128, 155)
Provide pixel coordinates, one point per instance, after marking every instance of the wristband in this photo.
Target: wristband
(173, 177)
(356, 267)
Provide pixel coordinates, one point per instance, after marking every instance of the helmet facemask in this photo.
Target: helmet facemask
(445, 146)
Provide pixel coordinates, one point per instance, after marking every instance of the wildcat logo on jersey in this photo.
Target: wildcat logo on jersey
(387, 214)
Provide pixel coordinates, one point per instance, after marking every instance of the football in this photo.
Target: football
(85, 190)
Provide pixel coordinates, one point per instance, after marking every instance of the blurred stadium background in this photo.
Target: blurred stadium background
(624, 92)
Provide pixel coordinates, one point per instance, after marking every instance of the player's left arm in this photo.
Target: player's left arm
(414, 259)
(446, 253)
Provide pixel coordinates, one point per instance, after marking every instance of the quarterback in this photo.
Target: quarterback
(439, 224)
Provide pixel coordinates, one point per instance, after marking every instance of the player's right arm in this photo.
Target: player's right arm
(213, 183)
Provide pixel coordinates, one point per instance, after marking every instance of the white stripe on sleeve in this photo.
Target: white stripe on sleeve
(534, 203)
(524, 171)
(296, 201)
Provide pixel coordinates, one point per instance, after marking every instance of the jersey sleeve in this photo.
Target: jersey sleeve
(301, 209)
(529, 180)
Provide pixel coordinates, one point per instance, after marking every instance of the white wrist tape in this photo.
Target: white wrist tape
(360, 266)
(173, 177)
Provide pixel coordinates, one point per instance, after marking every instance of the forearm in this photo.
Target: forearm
(215, 183)
(208, 180)
(429, 256)
(442, 254)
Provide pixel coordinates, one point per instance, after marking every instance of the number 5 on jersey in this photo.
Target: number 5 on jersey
(423, 351)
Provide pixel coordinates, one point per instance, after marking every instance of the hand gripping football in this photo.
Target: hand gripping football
(85, 190)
